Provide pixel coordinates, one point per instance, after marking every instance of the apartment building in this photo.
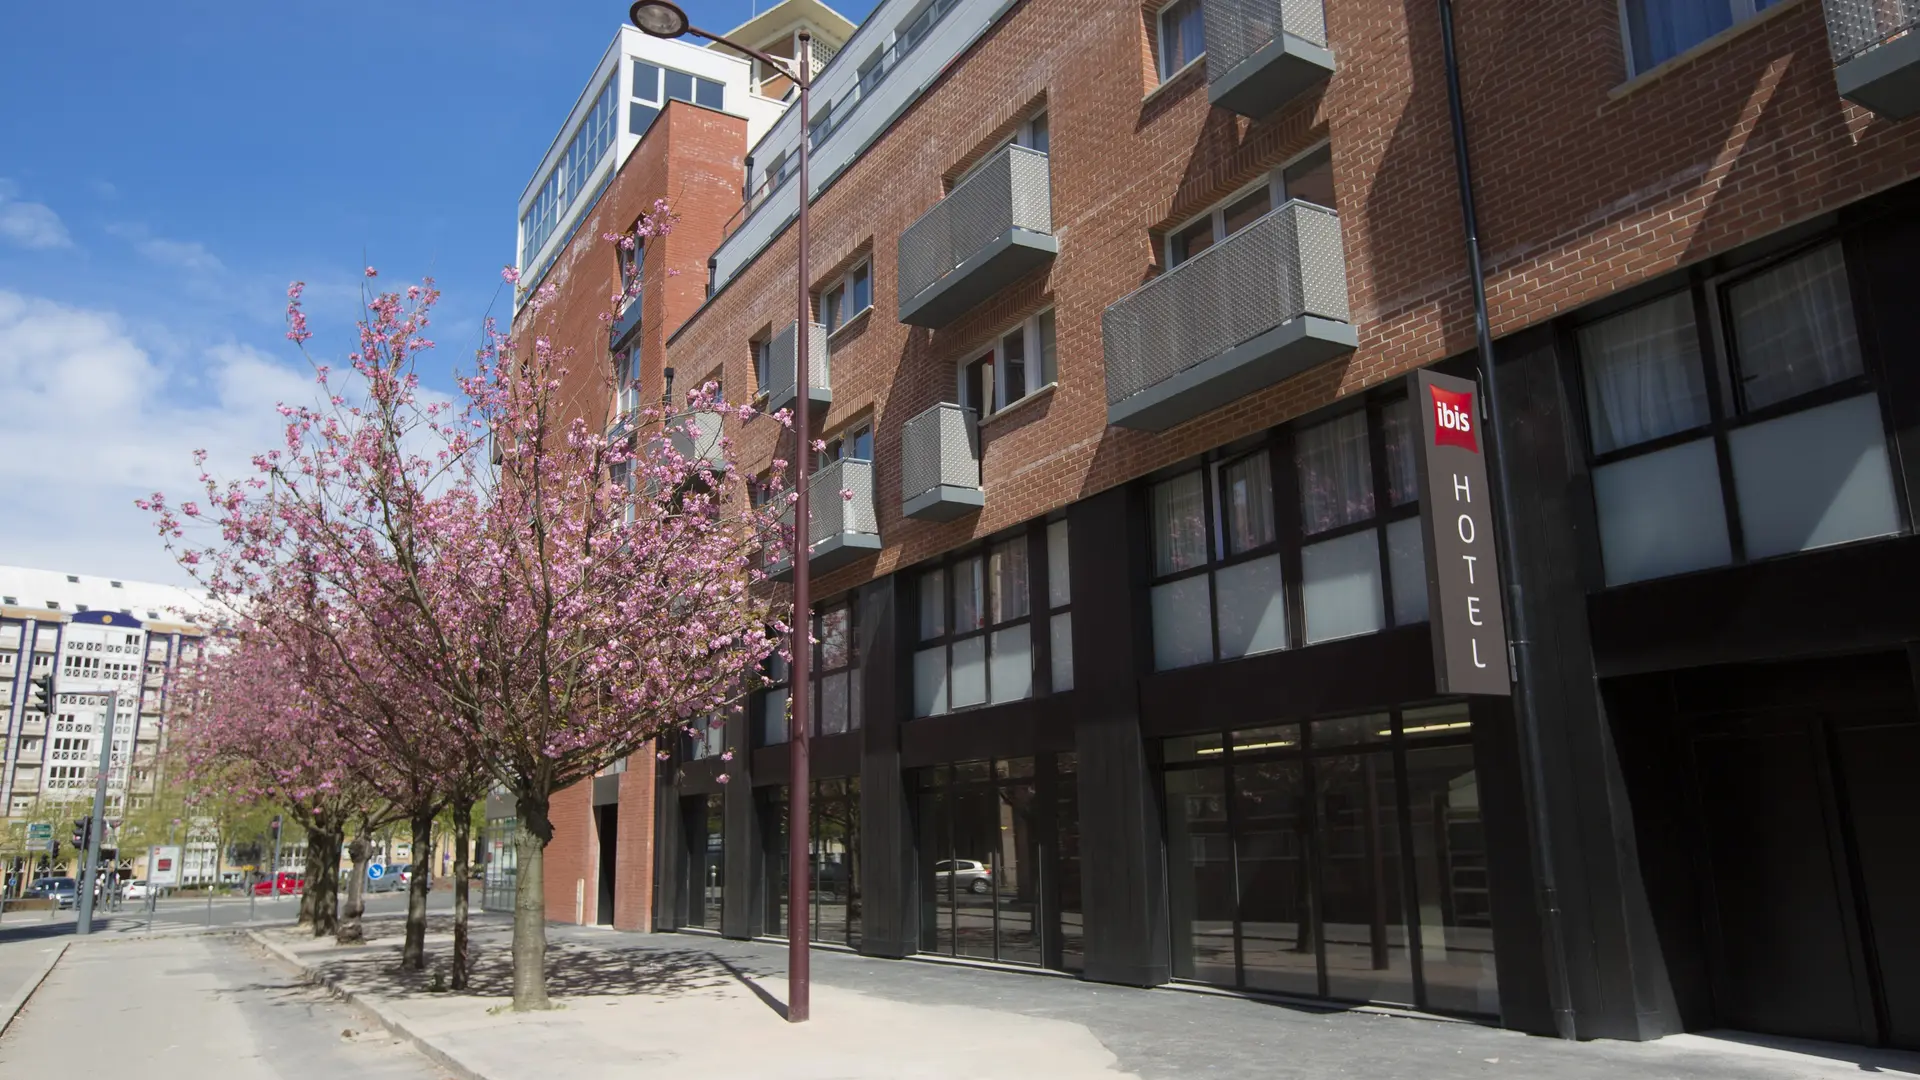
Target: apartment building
(1125, 665)
(94, 636)
(679, 127)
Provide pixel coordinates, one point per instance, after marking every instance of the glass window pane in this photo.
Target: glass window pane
(1663, 29)
(1436, 721)
(1253, 608)
(969, 679)
(969, 613)
(1793, 328)
(1643, 374)
(1200, 883)
(1272, 845)
(709, 94)
(1362, 903)
(836, 637)
(1336, 473)
(1059, 571)
(1049, 349)
(1311, 178)
(1340, 587)
(1814, 478)
(773, 717)
(640, 117)
(1179, 524)
(1182, 623)
(1061, 632)
(862, 287)
(1007, 579)
(930, 682)
(646, 81)
(1450, 880)
(1661, 513)
(1397, 422)
(1249, 209)
(1407, 571)
(1276, 737)
(1246, 502)
(1038, 135)
(1012, 663)
(1182, 35)
(833, 704)
(1013, 367)
(1194, 747)
(679, 85)
(1191, 241)
(933, 604)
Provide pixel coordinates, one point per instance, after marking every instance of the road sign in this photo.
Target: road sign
(40, 830)
(375, 871)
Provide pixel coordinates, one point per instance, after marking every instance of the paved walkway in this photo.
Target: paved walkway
(679, 1005)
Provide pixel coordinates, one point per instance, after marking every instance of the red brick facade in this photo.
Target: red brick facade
(694, 158)
(1587, 183)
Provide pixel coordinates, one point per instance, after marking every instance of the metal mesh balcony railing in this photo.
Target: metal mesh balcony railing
(939, 449)
(702, 444)
(1012, 190)
(1283, 266)
(830, 514)
(780, 364)
(1236, 29)
(1855, 26)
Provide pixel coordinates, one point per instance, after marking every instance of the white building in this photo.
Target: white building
(93, 635)
(633, 81)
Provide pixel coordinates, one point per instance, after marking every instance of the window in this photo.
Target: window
(1059, 603)
(1309, 179)
(976, 644)
(654, 86)
(626, 384)
(1183, 36)
(847, 297)
(1033, 133)
(1764, 439)
(1021, 362)
(1659, 30)
(835, 676)
(631, 260)
(762, 366)
(588, 144)
(1237, 564)
(854, 443)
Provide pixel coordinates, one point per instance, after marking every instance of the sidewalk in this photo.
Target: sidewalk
(676, 1005)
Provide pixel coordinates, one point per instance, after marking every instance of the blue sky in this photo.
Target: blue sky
(166, 170)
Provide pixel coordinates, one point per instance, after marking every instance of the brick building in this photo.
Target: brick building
(1125, 664)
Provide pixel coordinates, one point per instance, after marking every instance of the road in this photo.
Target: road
(193, 1006)
(180, 914)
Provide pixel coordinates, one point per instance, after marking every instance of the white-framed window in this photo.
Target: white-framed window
(762, 347)
(1308, 178)
(846, 298)
(853, 443)
(590, 142)
(1021, 361)
(626, 383)
(631, 260)
(1659, 30)
(1183, 35)
(1034, 133)
(654, 86)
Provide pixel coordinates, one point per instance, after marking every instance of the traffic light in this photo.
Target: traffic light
(40, 698)
(82, 832)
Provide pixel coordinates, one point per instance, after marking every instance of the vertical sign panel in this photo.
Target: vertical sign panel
(1456, 517)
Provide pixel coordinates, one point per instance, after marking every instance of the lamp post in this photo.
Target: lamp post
(663, 19)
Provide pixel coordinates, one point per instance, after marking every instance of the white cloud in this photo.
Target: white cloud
(178, 254)
(94, 421)
(29, 224)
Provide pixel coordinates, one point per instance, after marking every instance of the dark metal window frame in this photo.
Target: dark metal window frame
(1719, 358)
(779, 677)
(1038, 617)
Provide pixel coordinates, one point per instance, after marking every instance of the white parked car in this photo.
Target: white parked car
(136, 890)
(969, 875)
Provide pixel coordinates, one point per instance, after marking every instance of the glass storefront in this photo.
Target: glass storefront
(1343, 858)
(703, 817)
(499, 875)
(834, 812)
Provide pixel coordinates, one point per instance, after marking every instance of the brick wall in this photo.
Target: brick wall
(1585, 187)
(695, 159)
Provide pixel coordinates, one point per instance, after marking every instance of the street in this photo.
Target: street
(195, 1006)
(198, 913)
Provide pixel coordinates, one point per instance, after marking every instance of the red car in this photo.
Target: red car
(290, 885)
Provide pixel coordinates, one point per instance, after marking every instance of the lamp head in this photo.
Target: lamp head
(658, 18)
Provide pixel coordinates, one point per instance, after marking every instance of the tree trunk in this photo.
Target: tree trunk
(530, 903)
(323, 886)
(351, 932)
(413, 955)
(313, 874)
(462, 868)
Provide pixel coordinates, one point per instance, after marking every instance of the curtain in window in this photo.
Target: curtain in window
(968, 609)
(1179, 524)
(1246, 497)
(1007, 573)
(1793, 328)
(933, 607)
(1184, 35)
(1336, 473)
(1643, 374)
(1663, 29)
(1403, 483)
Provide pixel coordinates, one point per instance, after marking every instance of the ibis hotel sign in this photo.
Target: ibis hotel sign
(1456, 515)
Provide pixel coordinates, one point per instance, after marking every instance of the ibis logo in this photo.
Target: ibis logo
(1453, 419)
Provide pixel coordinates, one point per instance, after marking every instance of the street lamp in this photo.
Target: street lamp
(664, 19)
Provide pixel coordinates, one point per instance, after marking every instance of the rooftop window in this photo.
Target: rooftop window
(589, 144)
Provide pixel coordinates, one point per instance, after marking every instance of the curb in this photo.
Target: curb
(370, 1007)
(11, 1007)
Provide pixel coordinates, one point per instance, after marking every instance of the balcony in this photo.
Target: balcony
(1876, 54)
(624, 325)
(940, 465)
(780, 363)
(990, 230)
(696, 437)
(1265, 304)
(622, 425)
(1262, 54)
(843, 530)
